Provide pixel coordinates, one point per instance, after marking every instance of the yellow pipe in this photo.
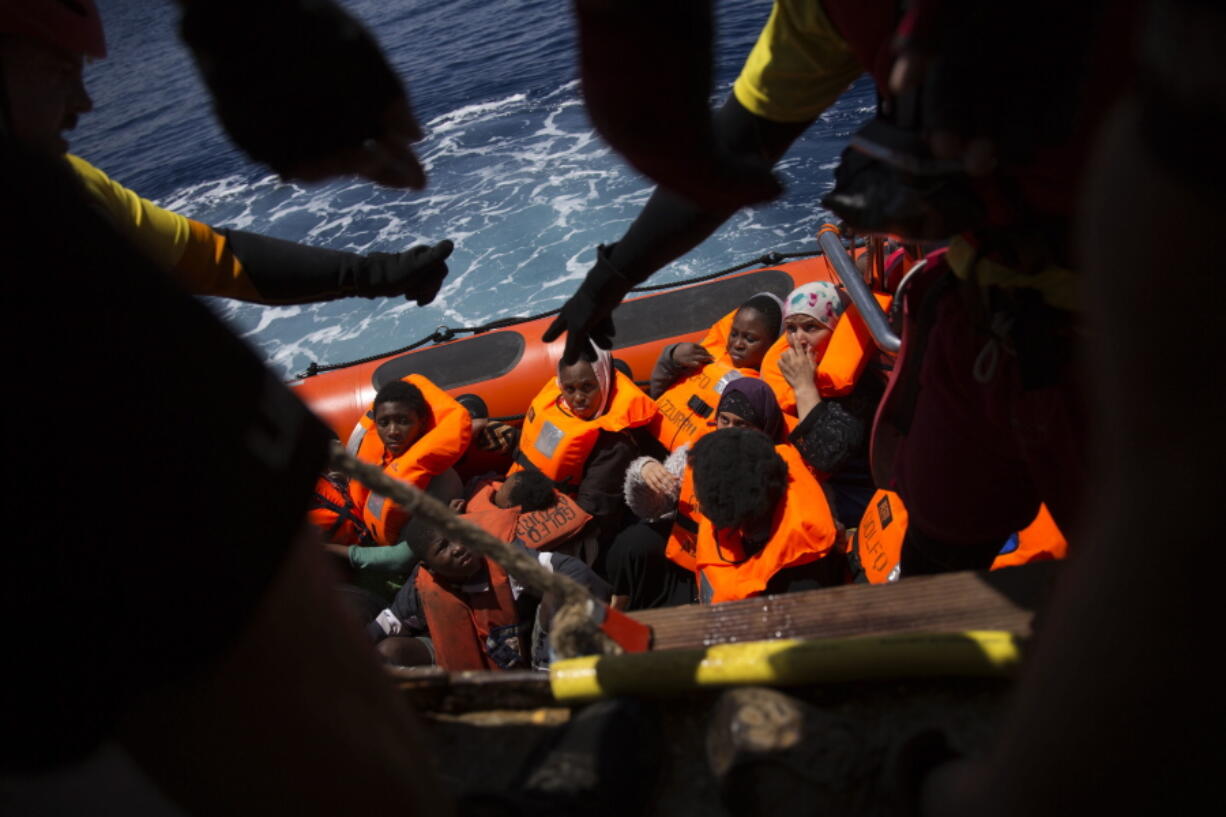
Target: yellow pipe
(786, 662)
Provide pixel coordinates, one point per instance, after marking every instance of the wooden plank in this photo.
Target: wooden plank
(987, 600)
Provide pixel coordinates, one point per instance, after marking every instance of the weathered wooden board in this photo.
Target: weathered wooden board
(988, 600)
(997, 600)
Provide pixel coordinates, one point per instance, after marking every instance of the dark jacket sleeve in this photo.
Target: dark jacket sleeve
(402, 617)
(836, 429)
(600, 492)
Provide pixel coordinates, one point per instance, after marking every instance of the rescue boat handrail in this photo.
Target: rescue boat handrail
(861, 296)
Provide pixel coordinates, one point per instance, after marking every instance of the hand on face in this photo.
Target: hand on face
(806, 335)
(797, 365)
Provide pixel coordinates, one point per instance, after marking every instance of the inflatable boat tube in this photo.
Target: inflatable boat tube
(506, 367)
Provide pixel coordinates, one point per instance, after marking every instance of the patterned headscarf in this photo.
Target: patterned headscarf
(820, 300)
(602, 367)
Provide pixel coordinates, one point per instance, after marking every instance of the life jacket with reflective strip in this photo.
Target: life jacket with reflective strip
(475, 626)
(877, 542)
(690, 404)
(333, 511)
(847, 354)
(446, 438)
(802, 531)
(557, 443)
(540, 530)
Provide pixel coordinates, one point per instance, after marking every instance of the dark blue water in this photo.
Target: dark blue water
(517, 178)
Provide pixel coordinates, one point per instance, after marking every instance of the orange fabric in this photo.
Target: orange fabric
(558, 443)
(460, 622)
(847, 354)
(209, 266)
(539, 530)
(448, 432)
(716, 339)
(1040, 541)
(333, 512)
(878, 540)
(689, 405)
(683, 538)
(802, 531)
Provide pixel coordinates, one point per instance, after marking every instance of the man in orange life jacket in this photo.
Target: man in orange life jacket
(462, 611)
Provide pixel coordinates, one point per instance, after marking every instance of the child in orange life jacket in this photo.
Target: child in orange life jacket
(582, 430)
(461, 610)
(546, 518)
(651, 562)
(765, 525)
(833, 432)
(421, 432)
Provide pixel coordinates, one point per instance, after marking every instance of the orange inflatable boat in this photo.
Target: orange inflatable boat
(507, 366)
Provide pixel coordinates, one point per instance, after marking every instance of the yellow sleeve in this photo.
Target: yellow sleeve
(192, 252)
(799, 66)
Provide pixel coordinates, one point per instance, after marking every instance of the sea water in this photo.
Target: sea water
(517, 177)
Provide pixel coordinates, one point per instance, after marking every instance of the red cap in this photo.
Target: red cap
(73, 25)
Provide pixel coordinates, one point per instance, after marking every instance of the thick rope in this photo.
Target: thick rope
(573, 632)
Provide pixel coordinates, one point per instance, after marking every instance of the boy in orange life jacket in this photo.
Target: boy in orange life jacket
(765, 526)
(421, 432)
(462, 611)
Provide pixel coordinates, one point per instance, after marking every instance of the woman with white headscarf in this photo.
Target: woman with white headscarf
(580, 431)
(833, 432)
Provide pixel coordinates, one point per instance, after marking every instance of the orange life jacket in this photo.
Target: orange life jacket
(539, 530)
(847, 354)
(716, 339)
(557, 443)
(446, 438)
(691, 402)
(683, 538)
(878, 540)
(477, 629)
(333, 511)
(802, 531)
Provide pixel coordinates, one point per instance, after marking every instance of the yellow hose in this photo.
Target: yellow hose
(784, 662)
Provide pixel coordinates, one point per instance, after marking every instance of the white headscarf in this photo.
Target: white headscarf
(602, 367)
(820, 300)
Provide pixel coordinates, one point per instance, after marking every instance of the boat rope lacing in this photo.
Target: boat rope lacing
(573, 632)
(445, 333)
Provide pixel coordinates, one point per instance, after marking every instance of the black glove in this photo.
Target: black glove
(587, 313)
(417, 273)
(303, 87)
(287, 273)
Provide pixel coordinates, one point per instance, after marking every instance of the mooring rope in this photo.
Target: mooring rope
(573, 633)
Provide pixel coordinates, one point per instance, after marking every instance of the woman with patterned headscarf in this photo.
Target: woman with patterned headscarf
(833, 432)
